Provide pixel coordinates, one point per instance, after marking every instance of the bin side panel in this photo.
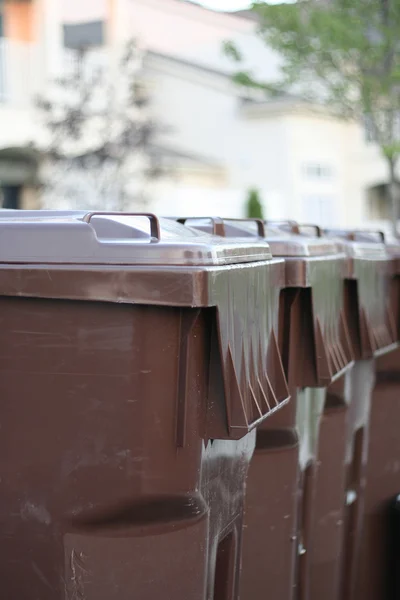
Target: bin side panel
(329, 506)
(382, 482)
(269, 537)
(89, 417)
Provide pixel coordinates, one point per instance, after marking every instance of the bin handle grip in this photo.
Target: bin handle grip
(292, 224)
(316, 228)
(258, 222)
(216, 222)
(351, 235)
(380, 234)
(155, 231)
(219, 224)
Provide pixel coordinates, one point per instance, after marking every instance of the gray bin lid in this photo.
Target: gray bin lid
(78, 237)
(359, 244)
(282, 242)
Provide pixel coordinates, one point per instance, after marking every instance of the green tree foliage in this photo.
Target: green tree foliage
(346, 54)
(253, 206)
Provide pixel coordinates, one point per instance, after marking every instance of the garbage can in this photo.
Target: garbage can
(315, 349)
(377, 575)
(137, 358)
(322, 339)
(373, 333)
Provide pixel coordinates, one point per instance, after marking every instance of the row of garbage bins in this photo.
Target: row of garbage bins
(197, 409)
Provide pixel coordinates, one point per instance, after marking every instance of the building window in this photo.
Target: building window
(320, 209)
(84, 35)
(318, 171)
(11, 196)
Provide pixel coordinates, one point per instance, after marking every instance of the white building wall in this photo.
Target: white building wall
(205, 118)
(270, 151)
(25, 69)
(262, 160)
(21, 79)
(200, 116)
(327, 179)
(78, 11)
(174, 27)
(185, 201)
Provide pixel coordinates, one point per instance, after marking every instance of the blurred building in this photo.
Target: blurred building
(221, 139)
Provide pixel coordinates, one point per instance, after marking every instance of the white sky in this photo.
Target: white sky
(225, 4)
(232, 4)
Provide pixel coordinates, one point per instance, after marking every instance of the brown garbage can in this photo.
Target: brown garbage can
(378, 573)
(318, 360)
(373, 333)
(280, 492)
(137, 358)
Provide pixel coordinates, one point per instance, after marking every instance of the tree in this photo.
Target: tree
(99, 135)
(345, 54)
(253, 206)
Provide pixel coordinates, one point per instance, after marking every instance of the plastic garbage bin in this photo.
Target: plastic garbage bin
(321, 345)
(373, 333)
(377, 575)
(316, 351)
(137, 357)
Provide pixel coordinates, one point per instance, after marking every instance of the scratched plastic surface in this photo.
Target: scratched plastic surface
(130, 395)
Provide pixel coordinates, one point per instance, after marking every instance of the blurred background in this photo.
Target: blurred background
(132, 105)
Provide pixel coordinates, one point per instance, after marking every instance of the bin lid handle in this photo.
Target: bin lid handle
(352, 235)
(219, 224)
(377, 232)
(216, 222)
(316, 228)
(258, 222)
(294, 227)
(155, 231)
